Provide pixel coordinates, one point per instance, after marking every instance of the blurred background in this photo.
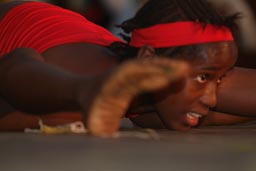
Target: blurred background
(109, 13)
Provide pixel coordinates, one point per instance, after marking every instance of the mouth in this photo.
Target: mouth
(192, 118)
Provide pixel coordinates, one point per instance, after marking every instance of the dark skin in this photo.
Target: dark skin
(99, 75)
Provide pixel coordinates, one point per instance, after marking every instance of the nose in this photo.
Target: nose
(209, 98)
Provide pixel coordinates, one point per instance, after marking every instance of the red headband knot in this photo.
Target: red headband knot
(179, 34)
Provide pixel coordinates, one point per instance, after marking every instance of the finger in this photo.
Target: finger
(104, 126)
(150, 75)
(173, 68)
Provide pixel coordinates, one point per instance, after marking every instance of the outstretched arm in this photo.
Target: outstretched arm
(237, 93)
(152, 120)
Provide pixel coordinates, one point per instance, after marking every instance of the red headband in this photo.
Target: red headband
(179, 34)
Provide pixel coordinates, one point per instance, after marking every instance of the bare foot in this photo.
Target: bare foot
(129, 80)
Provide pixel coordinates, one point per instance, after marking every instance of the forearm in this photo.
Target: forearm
(217, 118)
(34, 86)
(237, 93)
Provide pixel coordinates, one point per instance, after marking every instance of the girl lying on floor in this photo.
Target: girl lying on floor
(176, 71)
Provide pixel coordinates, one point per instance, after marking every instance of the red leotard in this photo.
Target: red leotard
(41, 26)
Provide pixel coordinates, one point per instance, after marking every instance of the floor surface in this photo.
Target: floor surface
(229, 148)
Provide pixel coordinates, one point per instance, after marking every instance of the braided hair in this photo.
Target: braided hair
(168, 11)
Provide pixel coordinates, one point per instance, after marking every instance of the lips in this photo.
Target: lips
(192, 118)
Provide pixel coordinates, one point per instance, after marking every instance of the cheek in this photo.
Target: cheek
(194, 90)
(177, 100)
(190, 93)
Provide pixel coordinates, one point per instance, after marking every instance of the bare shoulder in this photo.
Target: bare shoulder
(6, 7)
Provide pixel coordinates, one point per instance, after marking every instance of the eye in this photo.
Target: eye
(202, 78)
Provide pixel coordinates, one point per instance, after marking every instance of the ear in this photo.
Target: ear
(146, 52)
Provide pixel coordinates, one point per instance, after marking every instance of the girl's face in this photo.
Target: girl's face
(182, 104)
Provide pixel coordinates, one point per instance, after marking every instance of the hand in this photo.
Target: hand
(127, 81)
